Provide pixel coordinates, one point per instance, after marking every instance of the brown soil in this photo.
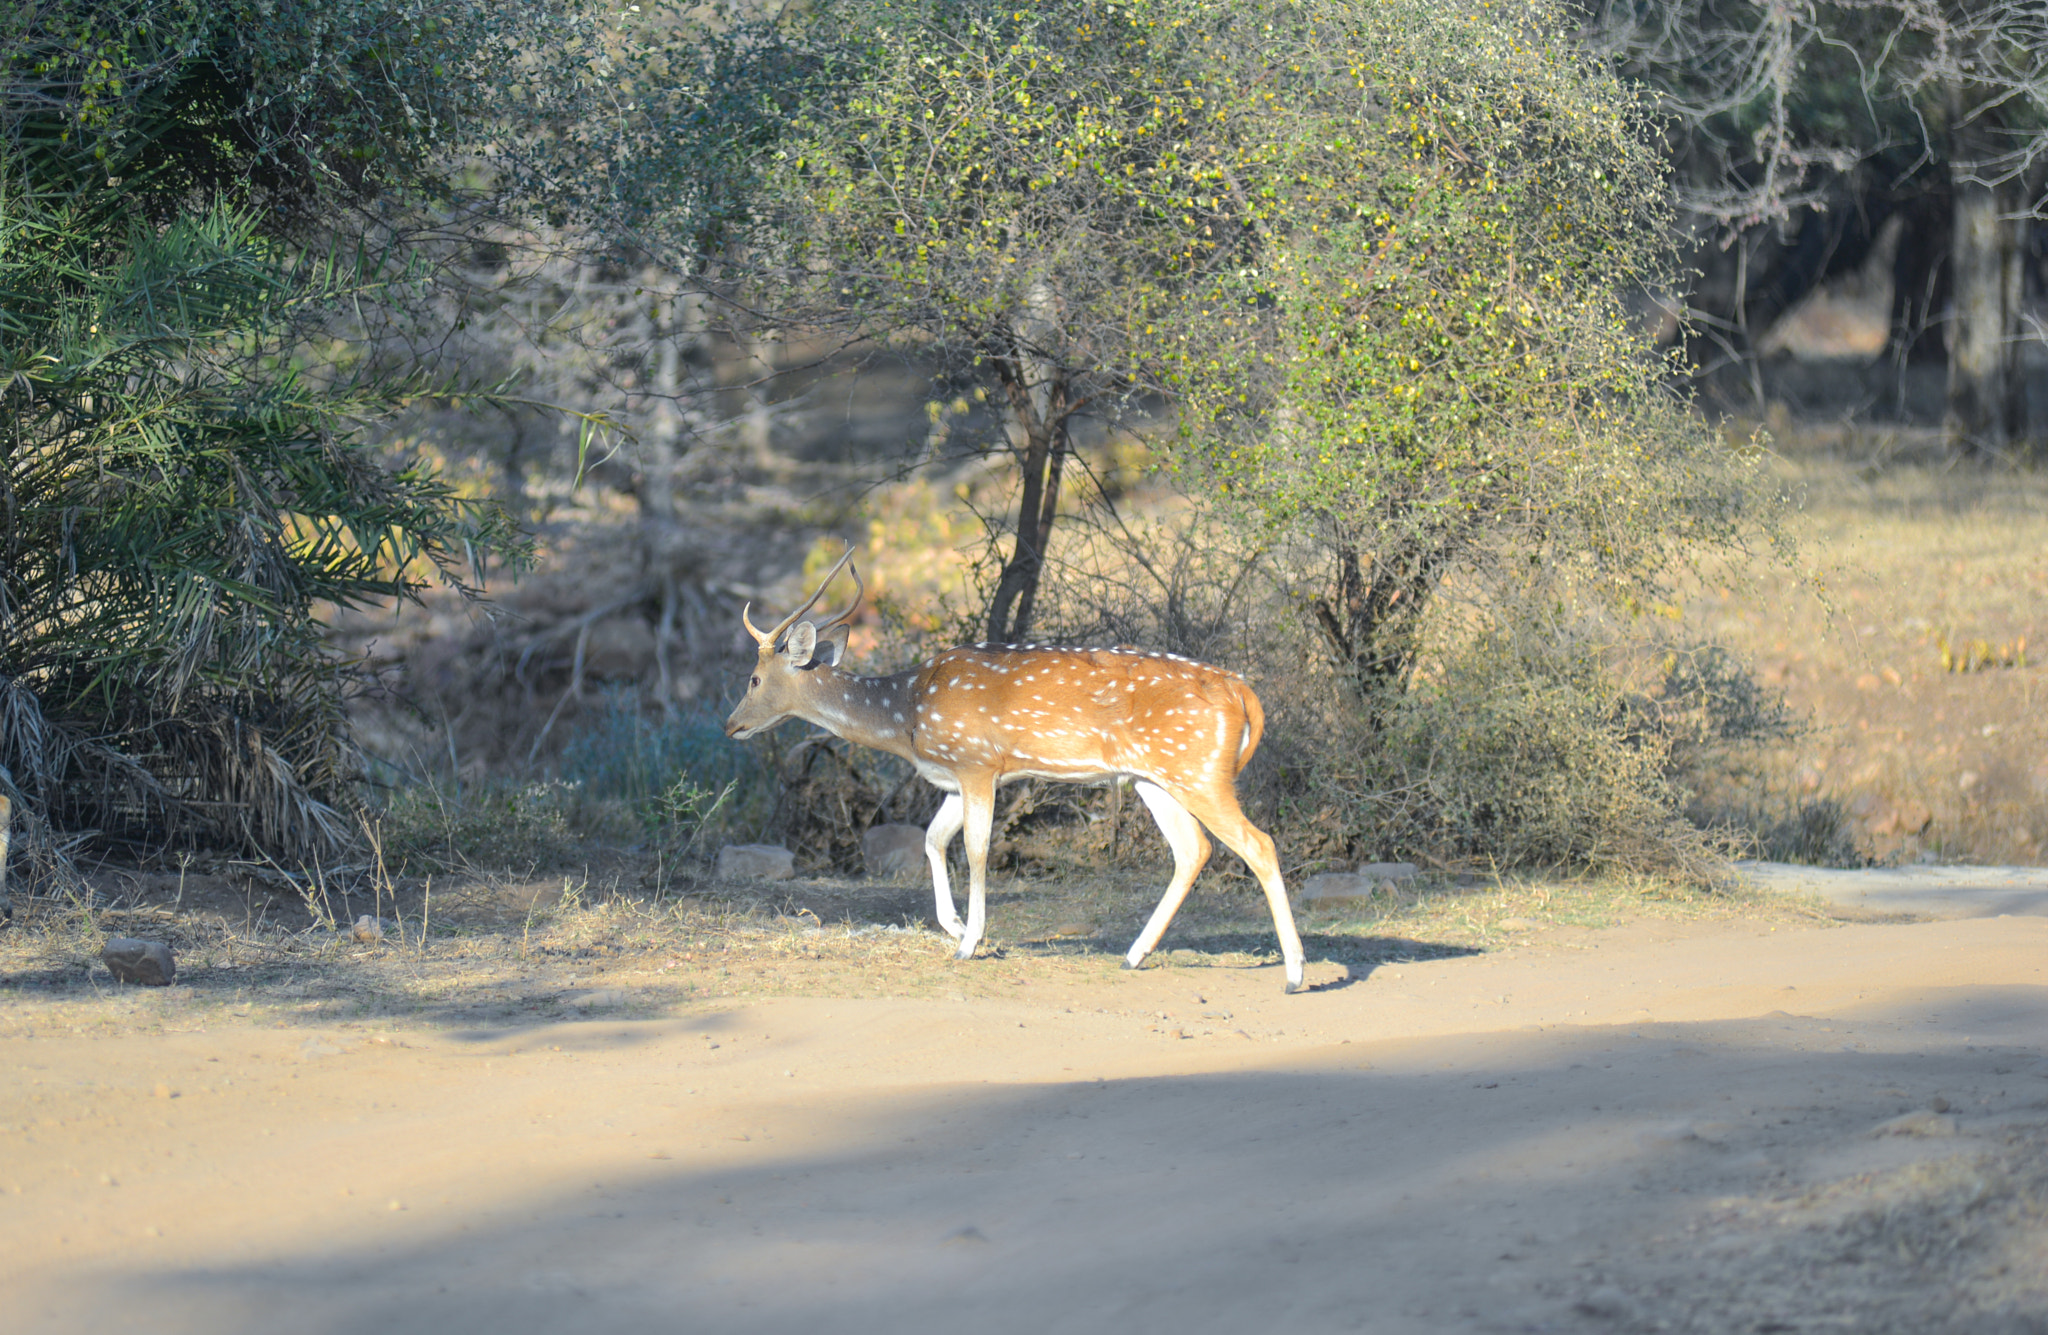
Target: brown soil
(642, 1116)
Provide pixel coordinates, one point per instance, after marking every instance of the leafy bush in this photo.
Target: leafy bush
(178, 505)
(183, 488)
(1529, 735)
(1519, 753)
(681, 777)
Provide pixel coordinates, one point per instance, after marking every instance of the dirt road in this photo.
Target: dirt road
(1679, 1126)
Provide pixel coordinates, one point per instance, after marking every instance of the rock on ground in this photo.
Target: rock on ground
(1328, 886)
(146, 963)
(755, 862)
(1367, 881)
(893, 852)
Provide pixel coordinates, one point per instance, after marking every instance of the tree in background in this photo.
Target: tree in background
(989, 186)
(1375, 260)
(1936, 113)
(187, 192)
(1425, 385)
(1422, 359)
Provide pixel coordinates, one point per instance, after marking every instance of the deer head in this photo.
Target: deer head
(789, 653)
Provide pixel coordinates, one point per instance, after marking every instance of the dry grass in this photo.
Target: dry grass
(1915, 554)
(505, 953)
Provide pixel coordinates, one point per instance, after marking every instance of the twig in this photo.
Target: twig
(575, 691)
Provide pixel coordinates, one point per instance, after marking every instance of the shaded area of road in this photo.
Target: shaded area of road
(1557, 1180)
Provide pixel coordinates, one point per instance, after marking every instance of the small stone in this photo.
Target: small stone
(1938, 1104)
(755, 862)
(893, 852)
(145, 963)
(369, 930)
(1933, 1125)
(598, 999)
(1607, 1302)
(1389, 871)
(1333, 886)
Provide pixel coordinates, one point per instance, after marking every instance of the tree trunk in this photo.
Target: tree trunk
(1987, 403)
(1041, 399)
(1375, 621)
(1043, 419)
(1920, 293)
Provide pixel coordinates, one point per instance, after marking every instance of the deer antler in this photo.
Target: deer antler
(770, 636)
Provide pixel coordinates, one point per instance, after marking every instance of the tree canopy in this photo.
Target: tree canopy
(1375, 257)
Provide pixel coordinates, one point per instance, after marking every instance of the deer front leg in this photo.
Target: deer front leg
(937, 836)
(978, 803)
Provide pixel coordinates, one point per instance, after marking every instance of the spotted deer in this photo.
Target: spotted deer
(980, 716)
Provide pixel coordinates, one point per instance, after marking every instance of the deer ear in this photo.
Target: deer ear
(831, 646)
(803, 639)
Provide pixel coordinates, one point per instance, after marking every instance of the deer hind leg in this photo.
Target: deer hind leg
(937, 835)
(1227, 822)
(978, 809)
(1190, 854)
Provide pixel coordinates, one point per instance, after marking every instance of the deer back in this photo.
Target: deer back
(1084, 711)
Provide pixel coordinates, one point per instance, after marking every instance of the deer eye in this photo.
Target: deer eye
(757, 679)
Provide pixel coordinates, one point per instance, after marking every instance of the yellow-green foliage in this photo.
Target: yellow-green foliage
(1379, 256)
(1378, 259)
(1428, 344)
(964, 163)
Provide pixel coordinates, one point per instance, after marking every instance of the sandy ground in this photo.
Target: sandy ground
(1692, 1126)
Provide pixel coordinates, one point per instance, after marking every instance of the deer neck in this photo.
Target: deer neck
(869, 711)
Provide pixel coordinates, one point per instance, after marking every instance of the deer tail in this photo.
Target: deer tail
(1254, 725)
